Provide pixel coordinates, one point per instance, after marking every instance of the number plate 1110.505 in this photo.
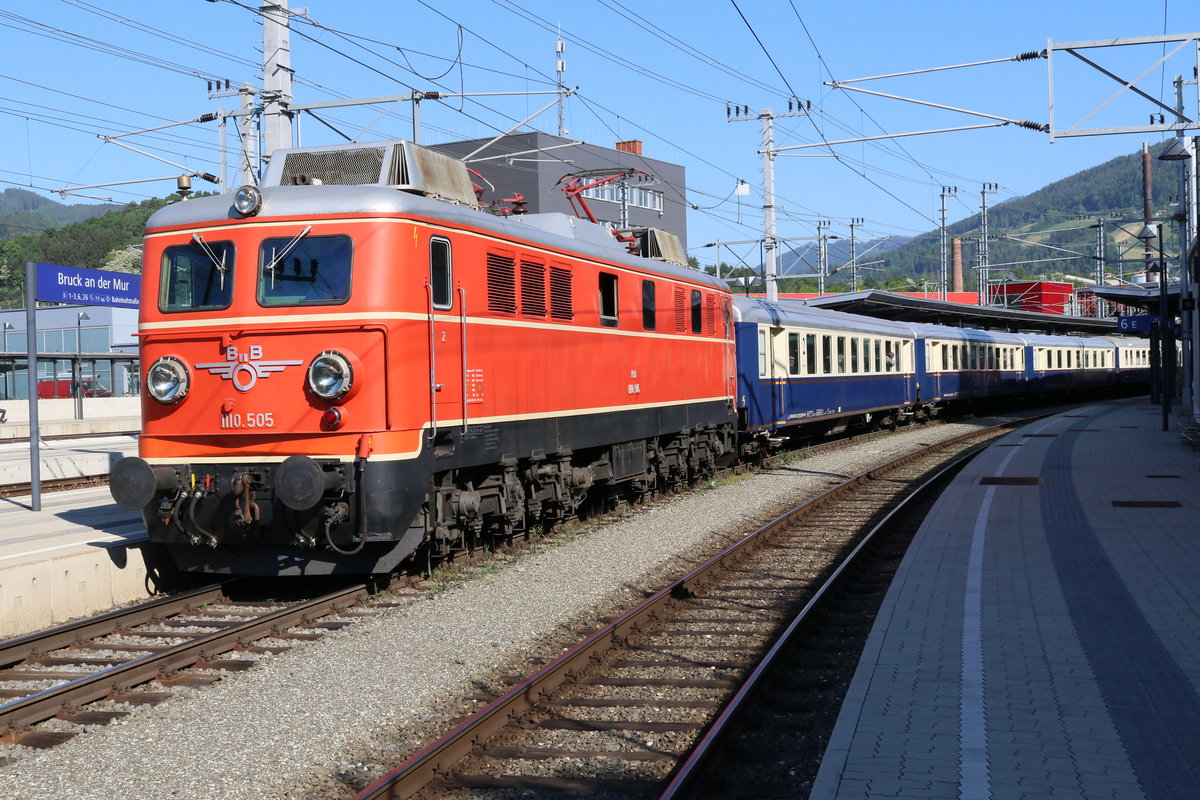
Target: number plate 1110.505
(249, 420)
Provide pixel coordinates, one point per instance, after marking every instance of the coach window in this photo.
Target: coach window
(304, 270)
(810, 353)
(854, 354)
(793, 354)
(841, 354)
(608, 300)
(762, 353)
(439, 272)
(697, 308)
(827, 354)
(878, 356)
(197, 276)
(649, 311)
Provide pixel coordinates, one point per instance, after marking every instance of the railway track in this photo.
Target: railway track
(54, 485)
(769, 739)
(54, 684)
(619, 713)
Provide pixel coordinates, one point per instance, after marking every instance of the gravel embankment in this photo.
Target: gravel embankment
(288, 727)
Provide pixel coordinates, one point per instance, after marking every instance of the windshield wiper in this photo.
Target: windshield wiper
(219, 263)
(287, 248)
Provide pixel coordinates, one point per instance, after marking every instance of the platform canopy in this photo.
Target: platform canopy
(889, 305)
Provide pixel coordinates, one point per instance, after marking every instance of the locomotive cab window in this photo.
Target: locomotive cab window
(304, 270)
(608, 300)
(197, 276)
(440, 274)
(697, 312)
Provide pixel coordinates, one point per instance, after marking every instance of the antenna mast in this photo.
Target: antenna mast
(560, 66)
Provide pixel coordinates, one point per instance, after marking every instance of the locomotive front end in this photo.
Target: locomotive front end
(264, 346)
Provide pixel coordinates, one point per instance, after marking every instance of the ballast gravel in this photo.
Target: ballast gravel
(290, 725)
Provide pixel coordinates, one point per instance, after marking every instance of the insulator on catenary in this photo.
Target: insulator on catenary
(1031, 54)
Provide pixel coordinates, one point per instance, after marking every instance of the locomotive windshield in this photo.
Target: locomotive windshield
(197, 276)
(304, 270)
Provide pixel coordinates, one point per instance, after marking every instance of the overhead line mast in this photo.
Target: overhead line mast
(742, 114)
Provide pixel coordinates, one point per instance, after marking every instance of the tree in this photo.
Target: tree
(124, 259)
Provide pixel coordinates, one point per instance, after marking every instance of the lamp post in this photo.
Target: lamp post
(78, 387)
(1163, 338)
(1182, 150)
(8, 375)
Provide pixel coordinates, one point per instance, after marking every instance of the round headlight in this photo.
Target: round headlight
(168, 380)
(247, 200)
(330, 375)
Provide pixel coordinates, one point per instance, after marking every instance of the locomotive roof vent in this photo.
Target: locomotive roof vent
(399, 164)
(659, 245)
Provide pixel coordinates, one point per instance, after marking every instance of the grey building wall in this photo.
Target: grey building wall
(532, 163)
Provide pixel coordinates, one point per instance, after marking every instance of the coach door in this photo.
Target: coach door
(777, 356)
(447, 341)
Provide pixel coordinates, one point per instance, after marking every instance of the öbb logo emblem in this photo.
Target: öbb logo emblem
(244, 369)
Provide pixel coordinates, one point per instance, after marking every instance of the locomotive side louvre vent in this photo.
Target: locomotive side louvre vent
(401, 165)
(357, 167)
(710, 315)
(561, 294)
(680, 309)
(501, 283)
(660, 245)
(533, 288)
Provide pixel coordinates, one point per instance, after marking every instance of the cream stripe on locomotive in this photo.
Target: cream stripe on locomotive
(446, 423)
(184, 326)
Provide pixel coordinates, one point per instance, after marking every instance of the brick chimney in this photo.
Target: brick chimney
(956, 262)
(631, 146)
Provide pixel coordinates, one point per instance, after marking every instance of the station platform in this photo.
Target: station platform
(78, 555)
(89, 456)
(1042, 637)
(95, 425)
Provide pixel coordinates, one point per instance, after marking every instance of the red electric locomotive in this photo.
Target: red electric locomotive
(353, 364)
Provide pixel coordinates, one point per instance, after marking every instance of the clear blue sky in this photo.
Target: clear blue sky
(662, 72)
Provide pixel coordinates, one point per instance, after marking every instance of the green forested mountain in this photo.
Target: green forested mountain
(99, 241)
(1063, 214)
(23, 212)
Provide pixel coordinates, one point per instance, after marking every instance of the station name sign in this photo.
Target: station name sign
(93, 287)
